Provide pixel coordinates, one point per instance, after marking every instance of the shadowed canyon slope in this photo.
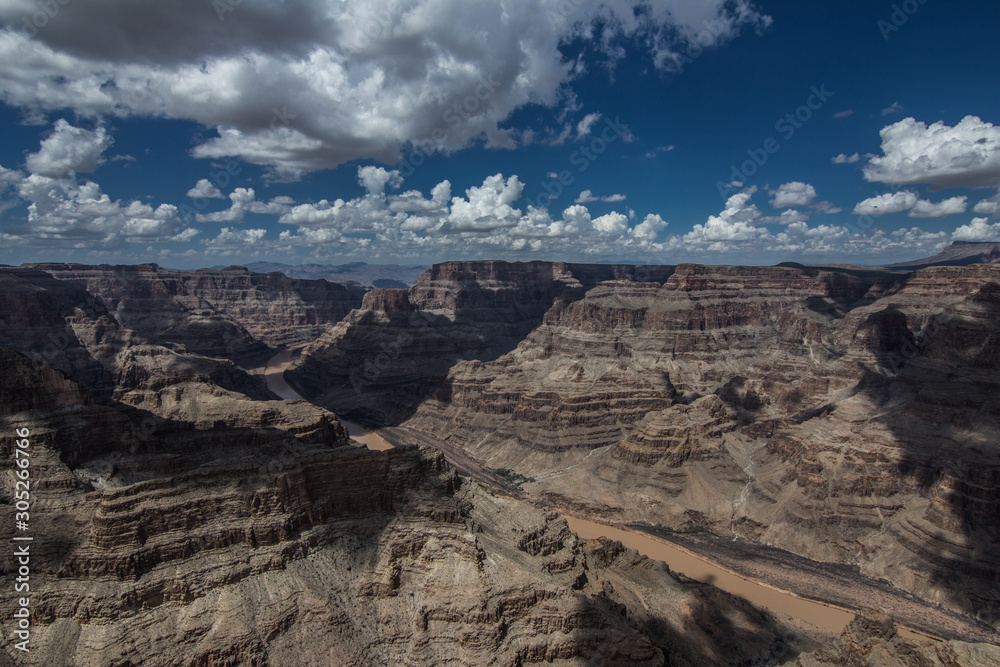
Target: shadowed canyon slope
(186, 516)
(231, 313)
(847, 416)
(163, 542)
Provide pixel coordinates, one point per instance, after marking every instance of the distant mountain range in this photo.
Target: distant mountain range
(376, 275)
(959, 253)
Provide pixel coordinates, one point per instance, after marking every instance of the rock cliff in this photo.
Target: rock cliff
(184, 516)
(844, 415)
(62, 325)
(163, 542)
(871, 640)
(229, 313)
(386, 358)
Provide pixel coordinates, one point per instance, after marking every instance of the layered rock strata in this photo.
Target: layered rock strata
(60, 324)
(229, 313)
(844, 415)
(394, 352)
(871, 640)
(252, 546)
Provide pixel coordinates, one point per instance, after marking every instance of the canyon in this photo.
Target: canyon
(192, 511)
(843, 415)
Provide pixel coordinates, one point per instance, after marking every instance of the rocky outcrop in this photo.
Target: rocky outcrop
(37, 317)
(163, 543)
(60, 324)
(229, 313)
(275, 309)
(385, 359)
(157, 305)
(871, 640)
(844, 415)
(388, 301)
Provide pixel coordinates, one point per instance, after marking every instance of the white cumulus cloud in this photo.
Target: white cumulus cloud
(588, 197)
(613, 223)
(942, 209)
(966, 155)
(244, 200)
(795, 193)
(977, 230)
(890, 202)
(989, 206)
(650, 227)
(62, 209)
(231, 240)
(301, 85)
(68, 150)
(843, 158)
(487, 207)
(376, 178)
(737, 222)
(205, 189)
(905, 200)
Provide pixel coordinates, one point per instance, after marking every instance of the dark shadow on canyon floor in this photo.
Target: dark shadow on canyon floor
(941, 383)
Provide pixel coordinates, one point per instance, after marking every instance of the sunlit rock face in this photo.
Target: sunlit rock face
(846, 415)
(162, 541)
(871, 640)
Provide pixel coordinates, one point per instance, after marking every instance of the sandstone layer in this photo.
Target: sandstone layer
(231, 313)
(848, 416)
(60, 324)
(871, 640)
(187, 517)
(183, 544)
(386, 358)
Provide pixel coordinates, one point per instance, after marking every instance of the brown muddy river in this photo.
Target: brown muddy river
(830, 619)
(274, 376)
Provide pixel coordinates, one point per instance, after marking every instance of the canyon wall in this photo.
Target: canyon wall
(161, 542)
(845, 415)
(60, 324)
(185, 515)
(229, 313)
(386, 358)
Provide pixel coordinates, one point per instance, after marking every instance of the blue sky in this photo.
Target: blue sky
(196, 133)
